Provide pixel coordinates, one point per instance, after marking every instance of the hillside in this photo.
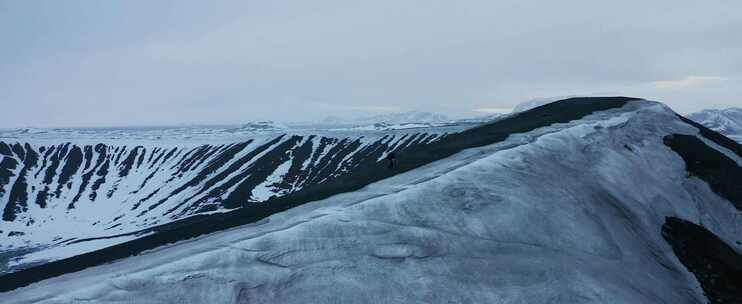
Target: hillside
(582, 200)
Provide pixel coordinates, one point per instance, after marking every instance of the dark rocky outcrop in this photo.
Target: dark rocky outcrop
(716, 265)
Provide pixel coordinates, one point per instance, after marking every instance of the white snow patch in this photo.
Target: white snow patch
(266, 189)
(69, 250)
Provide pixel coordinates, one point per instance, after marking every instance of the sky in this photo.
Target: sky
(117, 63)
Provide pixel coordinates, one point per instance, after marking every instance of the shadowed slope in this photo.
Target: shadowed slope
(717, 266)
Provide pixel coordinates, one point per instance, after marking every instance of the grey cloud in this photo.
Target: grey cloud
(246, 60)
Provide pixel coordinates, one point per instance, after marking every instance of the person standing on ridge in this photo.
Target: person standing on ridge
(392, 159)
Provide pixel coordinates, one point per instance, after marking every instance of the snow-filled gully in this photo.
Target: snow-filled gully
(569, 213)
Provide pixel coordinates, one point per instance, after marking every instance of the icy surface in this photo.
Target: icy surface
(571, 213)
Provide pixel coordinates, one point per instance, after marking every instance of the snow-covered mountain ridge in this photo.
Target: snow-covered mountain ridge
(725, 121)
(55, 195)
(589, 209)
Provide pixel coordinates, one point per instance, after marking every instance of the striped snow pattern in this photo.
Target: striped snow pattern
(122, 188)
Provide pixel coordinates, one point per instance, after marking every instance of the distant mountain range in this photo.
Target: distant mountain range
(404, 120)
(258, 126)
(725, 121)
(390, 118)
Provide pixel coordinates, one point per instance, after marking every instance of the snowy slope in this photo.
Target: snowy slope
(56, 194)
(725, 121)
(570, 213)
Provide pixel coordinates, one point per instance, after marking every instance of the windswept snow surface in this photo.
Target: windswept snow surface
(570, 213)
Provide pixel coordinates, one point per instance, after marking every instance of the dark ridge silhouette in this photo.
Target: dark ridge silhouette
(722, 174)
(17, 198)
(54, 156)
(208, 155)
(71, 164)
(87, 176)
(31, 156)
(7, 165)
(200, 152)
(169, 154)
(300, 155)
(52, 169)
(101, 173)
(182, 158)
(321, 163)
(44, 161)
(716, 137)
(119, 151)
(18, 150)
(151, 155)
(223, 158)
(5, 150)
(140, 159)
(211, 168)
(128, 162)
(716, 265)
(150, 195)
(160, 153)
(259, 171)
(144, 182)
(218, 191)
(367, 172)
(88, 156)
(338, 152)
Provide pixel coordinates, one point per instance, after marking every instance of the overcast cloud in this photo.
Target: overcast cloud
(102, 63)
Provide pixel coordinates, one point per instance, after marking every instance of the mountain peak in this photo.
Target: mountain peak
(725, 121)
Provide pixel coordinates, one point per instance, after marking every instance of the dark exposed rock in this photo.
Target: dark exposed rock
(716, 265)
(721, 173)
